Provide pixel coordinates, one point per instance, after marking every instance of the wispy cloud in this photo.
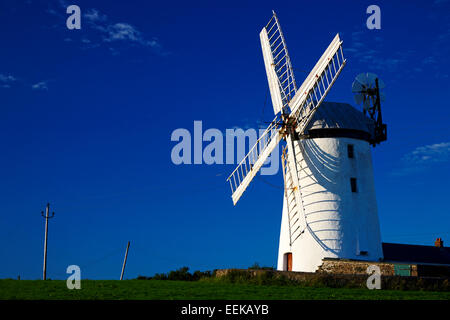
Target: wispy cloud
(40, 86)
(127, 32)
(370, 52)
(94, 16)
(113, 51)
(429, 60)
(424, 157)
(369, 49)
(432, 153)
(107, 32)
(53, 12)
(6, 80)
(104, 32)
(123, 31)
(438, 41)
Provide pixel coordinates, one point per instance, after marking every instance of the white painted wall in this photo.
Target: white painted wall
(340, 223)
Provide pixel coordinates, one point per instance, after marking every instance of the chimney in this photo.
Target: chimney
(439, 243)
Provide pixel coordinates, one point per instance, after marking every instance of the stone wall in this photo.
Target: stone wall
(298, 276)
(347, 268)
(301, 277)
(336, 280)
(339, 266)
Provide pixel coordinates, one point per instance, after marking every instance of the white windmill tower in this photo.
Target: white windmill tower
(329, 207)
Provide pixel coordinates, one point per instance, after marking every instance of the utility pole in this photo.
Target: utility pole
(125, 261)
(46, 216)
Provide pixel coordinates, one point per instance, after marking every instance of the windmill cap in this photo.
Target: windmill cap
(337, 115)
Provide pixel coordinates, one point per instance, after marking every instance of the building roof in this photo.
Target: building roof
(397, 252)
(336, 115)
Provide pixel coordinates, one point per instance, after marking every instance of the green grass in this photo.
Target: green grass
(168, 290)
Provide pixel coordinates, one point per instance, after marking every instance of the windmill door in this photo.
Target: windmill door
(289, 261)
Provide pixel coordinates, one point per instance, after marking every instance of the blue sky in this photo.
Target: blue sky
(87, 115)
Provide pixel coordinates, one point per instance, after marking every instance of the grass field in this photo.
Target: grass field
(177, 290)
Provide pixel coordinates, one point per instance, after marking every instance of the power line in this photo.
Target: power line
(270, 184)
(84, 266)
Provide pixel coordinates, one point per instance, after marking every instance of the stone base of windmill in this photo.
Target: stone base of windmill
(336, 280)
(342, 266)
(336, 267)
(350, 273)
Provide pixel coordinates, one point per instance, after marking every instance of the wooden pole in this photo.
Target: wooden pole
(47, 216)
(125, 261)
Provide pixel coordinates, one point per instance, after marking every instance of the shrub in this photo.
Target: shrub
(256, 266)
(181, 274)
(159, 276)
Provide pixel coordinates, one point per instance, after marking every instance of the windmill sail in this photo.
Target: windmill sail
(244, 173)
(316, 86)
(294, 211)
(278, 65)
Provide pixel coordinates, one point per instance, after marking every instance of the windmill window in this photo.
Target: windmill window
(353, 185)
(351, 151)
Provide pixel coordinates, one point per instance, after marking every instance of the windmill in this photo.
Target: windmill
(323, 215)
